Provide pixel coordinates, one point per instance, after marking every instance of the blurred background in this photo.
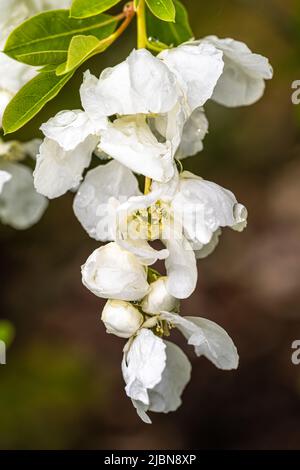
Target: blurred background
(62, 386)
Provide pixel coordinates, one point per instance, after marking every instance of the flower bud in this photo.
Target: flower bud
(158, 299)
(121, 318)
(111, 272)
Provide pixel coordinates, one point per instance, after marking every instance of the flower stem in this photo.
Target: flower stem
(147, 187)
(141, 25)
(142, 42)
(127, 15)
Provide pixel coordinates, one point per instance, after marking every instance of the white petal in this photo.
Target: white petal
(113, 273)
(243, 80)
(69, 128)
(131, 142)
(91, 204)
(193, 134)
(89, 100)
(16, 74)
(159, 299)
(202, 251)
(181, 267)
(140, 84)
(5, 97)
(141, 409)
(219, 347)
(143, 365)
(166, 395)
(166, 191)
(171, 125)
(20, 205)
(4, 177)
(198, 68)
(143, 250)
(204, 207)
(208, 339)
(121, 318)
(58, 170)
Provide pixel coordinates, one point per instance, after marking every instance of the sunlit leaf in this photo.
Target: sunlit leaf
(45, 38)
(87, 8)
(31, 99)
(80, 49)
(169, 32)
(163, 9)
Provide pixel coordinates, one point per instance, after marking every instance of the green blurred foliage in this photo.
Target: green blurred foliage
(7, 332)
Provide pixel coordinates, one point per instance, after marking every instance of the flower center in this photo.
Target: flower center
(149, 223)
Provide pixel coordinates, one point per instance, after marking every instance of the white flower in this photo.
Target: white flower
(113, 273)
(166, 395)
(197, 69)
(158, 298)
(121, 318)
(208, 339)
(4, 177)
(20, 205)
(243, 80)
(141, 84)
(70, 128)
(102, 188)
(205, 207)
(15, 76)
(130, 141)
(194, 131)
(71, 138)
(186, 214)
(139, 90)
(143, 364)
(58, 170)
(156, 371)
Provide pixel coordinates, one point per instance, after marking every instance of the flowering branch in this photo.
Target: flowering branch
(142, 115)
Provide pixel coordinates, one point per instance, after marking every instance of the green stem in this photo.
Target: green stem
(141, 25)
(142, 43)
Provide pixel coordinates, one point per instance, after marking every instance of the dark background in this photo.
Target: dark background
(62, 386)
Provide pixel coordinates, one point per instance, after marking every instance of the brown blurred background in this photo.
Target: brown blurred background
(62, 386)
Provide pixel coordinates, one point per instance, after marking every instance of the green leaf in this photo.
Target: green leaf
(86, 8)
(44, 39)
(31, 99)
(163, 9)
(170, 33)
(48, 68)
(7, 332)
(80, 49)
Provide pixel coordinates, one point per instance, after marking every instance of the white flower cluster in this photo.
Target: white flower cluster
(20, 205)
(146, 114)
